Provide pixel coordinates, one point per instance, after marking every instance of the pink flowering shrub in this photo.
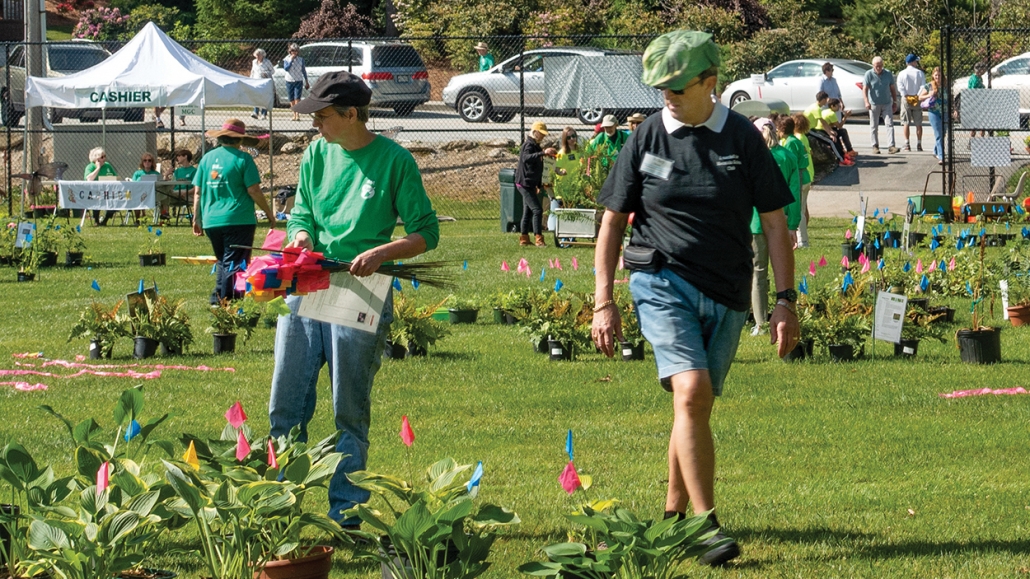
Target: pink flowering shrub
(100, 24)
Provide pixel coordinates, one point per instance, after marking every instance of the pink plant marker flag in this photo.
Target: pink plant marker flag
(933, 266)
(235, 415)
(104, 476)
(919, 266)
(847, 234)
(811, 269)
(550, 263)
(242, 446)
(557, 263)
(844, 262)
(407, 434)
(822, 261)
(274, 240)
(951, 264)
(862, 259)
(575, 264)
(273, 462)
(504, 266)
(865, 267)
(569, 479)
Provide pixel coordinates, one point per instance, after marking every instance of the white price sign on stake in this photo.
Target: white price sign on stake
(860, 229)
(25, 229)
(889, 316)
(1004, 285)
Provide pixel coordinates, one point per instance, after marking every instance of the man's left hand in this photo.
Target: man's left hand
(366, 263)
(784, 330)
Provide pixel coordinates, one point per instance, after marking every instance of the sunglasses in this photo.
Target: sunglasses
(684, 89)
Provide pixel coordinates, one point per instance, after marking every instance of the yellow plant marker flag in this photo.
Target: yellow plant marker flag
(191, 457)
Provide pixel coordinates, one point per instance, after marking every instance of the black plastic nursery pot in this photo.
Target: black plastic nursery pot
(915, 238)
(498, 316)
(921, 303)
(73, 259)
(541, 347)
(631, 352)
(144, 347)
(151, 259)
(96, 350)
(509, 319)
(416, 350)
(224, 343)
(994, 240)
(841, 352)
(981, 346)
(872, 252)
(906, 348)
(800, 352)
(48, 259)
(463, 316)
(171, 349)
(848, 250)
(948, 314)
(558, 351)
(394, 351)
(22, 276)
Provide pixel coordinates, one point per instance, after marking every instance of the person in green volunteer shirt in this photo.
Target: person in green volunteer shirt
(610, 140)
(486, 60)
(226, 187)
(99, 167)
(147, 166)
(353, 186)
(184, 171)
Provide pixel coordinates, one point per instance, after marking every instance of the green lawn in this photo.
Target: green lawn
(825, 470)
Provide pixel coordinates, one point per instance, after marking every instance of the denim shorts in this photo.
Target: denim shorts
(686, 329)
(293, 90)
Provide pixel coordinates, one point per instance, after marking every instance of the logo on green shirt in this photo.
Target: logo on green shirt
(368, 189)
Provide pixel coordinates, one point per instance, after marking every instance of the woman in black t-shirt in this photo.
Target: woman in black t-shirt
(528, 179)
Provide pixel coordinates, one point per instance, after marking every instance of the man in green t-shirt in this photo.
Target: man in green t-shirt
(352, 188)
(486, 60)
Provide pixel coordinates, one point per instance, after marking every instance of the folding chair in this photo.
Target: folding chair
(999, 193)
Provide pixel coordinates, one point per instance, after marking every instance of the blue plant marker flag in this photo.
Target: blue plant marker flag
(78, 228)
(880, 264)
(969, 288)
(803, 286)
(881, 221)
(907, 267)
(543, 273)
(876, 213)
(876, 243)
(28, 238)
(155, 286)
(958, 244)
(57, 228)
(934, 244)
(132, 431)
(949, 230)
(150, 229)
(943, 266)
(924, 283)
(414, 283)
(568, 445)
(858, 245)
(397, 284)
(95, 285)
(477, 474)
(158, 233)
(140, 290)
(558, 285)
(848, 282)
(465, 264)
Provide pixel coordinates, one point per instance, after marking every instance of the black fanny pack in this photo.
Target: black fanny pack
(640, 258)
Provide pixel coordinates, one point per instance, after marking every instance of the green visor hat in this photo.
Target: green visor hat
(672, 60)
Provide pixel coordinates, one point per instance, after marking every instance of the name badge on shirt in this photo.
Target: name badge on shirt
(656, 166)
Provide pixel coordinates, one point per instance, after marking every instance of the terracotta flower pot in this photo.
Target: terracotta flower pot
(1019, 315)
(315, 565)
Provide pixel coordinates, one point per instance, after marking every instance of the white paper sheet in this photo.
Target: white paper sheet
(889, 316)
(354, 302)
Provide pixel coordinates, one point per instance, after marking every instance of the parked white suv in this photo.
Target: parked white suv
(59, 59)
(393, 70)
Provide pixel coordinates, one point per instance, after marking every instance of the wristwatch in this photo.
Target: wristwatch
(791, 295)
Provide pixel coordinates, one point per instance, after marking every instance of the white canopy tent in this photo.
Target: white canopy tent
(152, 70)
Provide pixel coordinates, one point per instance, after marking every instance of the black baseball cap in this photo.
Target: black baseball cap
(339, 88)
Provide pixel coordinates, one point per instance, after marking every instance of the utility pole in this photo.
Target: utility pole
(35, 25)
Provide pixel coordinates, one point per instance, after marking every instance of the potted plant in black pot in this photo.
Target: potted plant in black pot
(413, 326)
(918, 326)
(435, 532)
(102, 327)
(28, 263)
(47, 242)
(175, 333)
(145, 323)
(980, 344)
(150, 253)
(74, 246)
(495, 301)
(227, 322)
(517, 303)
(564, 318)
(843, 324)
(462, 310)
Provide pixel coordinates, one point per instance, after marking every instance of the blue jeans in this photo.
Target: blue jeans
(294, 90)
(302, 347)
(937, 123)
(262, 112)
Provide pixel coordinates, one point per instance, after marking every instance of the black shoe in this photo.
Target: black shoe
(724, 553)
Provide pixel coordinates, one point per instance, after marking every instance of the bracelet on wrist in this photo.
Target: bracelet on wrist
(787, 306)
(603, 305)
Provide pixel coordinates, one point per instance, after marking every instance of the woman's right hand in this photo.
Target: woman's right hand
(301, 241)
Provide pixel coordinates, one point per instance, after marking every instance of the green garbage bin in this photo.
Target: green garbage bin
(511, 201)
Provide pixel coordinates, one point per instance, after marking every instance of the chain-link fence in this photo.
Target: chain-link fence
(462, 111)
(986, 73)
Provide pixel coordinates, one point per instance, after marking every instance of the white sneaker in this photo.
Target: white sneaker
(756, 331)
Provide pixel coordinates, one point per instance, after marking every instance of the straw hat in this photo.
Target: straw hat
(482, 46)
(636, 118)
(234, 128)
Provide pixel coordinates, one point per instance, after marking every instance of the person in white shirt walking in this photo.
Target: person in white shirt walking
(260, 67)
(296, 76)
(910, 81)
